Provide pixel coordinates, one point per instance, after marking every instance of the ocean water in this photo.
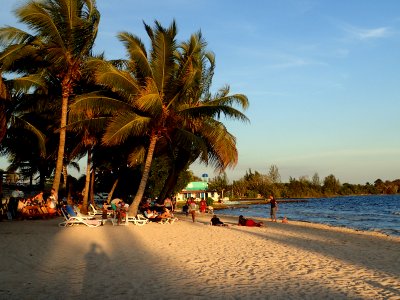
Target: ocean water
(379, 213)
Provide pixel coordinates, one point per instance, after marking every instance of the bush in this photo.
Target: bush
(209, 201)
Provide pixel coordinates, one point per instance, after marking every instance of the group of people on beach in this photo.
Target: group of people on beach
(191, 207)
(215, 221)
(39, 205)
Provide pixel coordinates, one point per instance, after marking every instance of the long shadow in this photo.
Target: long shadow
(24, 265)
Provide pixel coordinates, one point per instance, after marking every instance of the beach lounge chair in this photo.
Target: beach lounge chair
(160, 220)
(71, 218)
(77, 211)
(93, 211)
(168, 220)
(139, 220)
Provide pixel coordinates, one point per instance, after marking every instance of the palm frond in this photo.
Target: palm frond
(37, 17)
(82, 122)
(137, 53)
(110, 76)
(26, 83)
(124, 125)
(222, 145)
(230, 100)
(213, 111)
(97, 103)
(137, 156)
(11, 35)
(149, 101)
(162, 55)
(19, 122)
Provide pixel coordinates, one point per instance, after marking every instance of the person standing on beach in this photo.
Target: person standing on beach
(168, 204)
(274, 208)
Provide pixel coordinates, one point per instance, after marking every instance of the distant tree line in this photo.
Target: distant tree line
(255, 184)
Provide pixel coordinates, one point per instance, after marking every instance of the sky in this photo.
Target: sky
(322, 78)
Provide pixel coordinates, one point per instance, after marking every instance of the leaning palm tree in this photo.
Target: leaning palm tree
(153, 97)
(63, 36)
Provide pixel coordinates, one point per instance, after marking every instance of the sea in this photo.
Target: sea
(379, 213)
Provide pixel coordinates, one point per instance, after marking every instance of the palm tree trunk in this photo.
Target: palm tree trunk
(63, 134)
(179, 164)
(110, 194)
(87, 183)
(146, 171)
(3, 122)
(91, 191)
(65, 176)
(3, 114)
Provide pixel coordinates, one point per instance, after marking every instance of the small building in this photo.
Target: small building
(198, 190)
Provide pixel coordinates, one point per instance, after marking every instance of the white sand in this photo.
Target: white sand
(188, 260)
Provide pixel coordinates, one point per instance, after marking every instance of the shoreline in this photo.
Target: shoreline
(196, 261)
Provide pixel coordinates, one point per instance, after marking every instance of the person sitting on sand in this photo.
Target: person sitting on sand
(215, 221)
(249, 222)
(284, 220)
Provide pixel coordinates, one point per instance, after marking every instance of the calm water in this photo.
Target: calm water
(374, 213)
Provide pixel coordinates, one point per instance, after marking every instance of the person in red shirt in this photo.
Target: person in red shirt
(203, 206)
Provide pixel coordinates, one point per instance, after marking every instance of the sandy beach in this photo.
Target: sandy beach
(40, 260)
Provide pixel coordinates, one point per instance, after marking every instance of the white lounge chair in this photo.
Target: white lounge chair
(139, 220)
(71, 218)
(81, 215)
(93, 211)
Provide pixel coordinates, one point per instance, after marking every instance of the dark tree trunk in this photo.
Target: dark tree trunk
(178, 165)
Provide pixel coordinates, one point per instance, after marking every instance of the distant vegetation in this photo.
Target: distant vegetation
(255, 184)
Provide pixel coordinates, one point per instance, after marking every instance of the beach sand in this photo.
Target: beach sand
(186, 260)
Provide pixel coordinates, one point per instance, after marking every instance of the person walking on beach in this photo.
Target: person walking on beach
(274, 208)
(192, 208)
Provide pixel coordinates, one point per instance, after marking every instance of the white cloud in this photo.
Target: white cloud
(367, 34)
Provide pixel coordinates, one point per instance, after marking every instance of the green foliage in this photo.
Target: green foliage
(218, 183)
(209, 201)
(254, 183)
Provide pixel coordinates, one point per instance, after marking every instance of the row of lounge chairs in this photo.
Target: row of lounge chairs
(72, 216)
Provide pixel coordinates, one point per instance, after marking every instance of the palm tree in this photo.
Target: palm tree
(220, 146)
(154, 90)
(64, 34)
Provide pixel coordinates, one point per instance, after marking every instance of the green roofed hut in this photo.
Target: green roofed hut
(197, 190)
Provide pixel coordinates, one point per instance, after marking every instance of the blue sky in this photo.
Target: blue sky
(322, 77)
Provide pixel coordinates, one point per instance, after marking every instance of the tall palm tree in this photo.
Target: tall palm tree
(221, 151)
(63, 36)
(154, 96)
